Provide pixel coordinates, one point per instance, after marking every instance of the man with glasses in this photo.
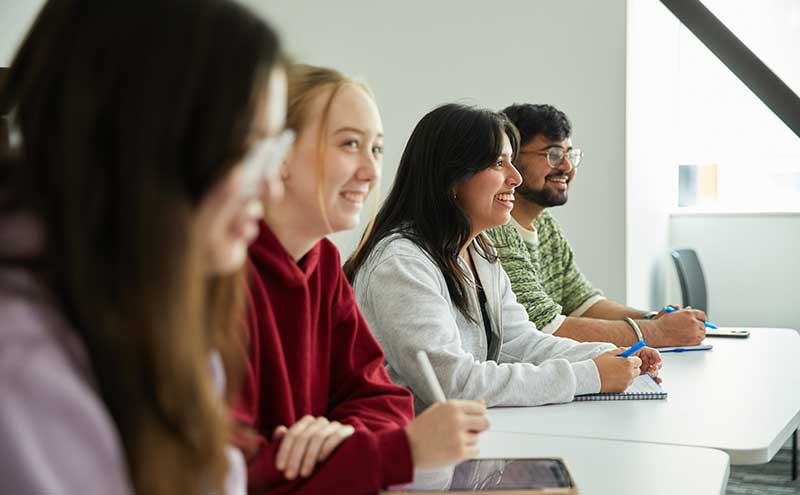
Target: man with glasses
(540, 262)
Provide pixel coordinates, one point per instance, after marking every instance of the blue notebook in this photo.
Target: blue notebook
(643, 388)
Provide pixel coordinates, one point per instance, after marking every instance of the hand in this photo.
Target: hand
(446, 433)
(307, 442)
(651, 362)
(616, 373)
(684, 327)
(662, 312)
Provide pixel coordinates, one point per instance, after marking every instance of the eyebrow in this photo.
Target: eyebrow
(557, 146)
(355, 130)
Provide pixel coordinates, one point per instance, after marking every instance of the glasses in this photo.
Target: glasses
(264, 160)
(556, 155)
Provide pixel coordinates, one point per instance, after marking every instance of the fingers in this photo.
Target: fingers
(290, 437)
(315, 439)
(279, 433)
(636, 361)
(299, 453)
(469, 406)
(334, 440)
(476, 423)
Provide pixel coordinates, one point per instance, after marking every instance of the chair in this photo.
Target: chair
(692, 280)
(694, 294)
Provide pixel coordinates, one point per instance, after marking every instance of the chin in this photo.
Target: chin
(229, 261)
(344, 223)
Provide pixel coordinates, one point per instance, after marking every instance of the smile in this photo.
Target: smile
(560, 181)
(505, 199)
(354, 197)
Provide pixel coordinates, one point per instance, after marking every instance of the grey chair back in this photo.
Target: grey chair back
(691, 278)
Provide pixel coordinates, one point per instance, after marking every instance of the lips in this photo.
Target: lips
(356, 198)
(505, 199)
(560, 180)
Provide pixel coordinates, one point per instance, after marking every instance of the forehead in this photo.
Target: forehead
(351, 107)
(540, 142)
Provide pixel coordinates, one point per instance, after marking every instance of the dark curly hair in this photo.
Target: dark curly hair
(532, 120)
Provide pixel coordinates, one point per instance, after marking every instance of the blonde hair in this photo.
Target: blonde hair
(306, 82)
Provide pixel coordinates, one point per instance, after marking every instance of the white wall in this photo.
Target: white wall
(651, 177)
(750, 262)
(16, 17)
(418, 54)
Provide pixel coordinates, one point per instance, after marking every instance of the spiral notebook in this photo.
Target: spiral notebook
(643, 388)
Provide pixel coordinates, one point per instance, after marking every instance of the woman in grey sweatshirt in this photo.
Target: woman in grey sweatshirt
(426, 278)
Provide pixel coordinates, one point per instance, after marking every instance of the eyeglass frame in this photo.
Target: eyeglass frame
(566, 151)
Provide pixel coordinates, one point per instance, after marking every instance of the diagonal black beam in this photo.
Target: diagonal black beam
(754, 73)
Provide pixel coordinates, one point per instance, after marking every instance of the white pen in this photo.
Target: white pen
(430, 377)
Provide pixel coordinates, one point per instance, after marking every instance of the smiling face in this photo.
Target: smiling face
(543, 185)
(335, 162)
(488, 196)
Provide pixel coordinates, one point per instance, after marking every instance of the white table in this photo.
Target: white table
(742, 397)
(608, 466)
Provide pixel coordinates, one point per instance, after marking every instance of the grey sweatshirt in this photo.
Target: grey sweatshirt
(405, 300)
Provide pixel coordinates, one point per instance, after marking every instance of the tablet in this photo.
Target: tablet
(503, 476)
(732, 332)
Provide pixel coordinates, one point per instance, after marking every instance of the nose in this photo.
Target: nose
(369, 169)
(513, 177)
(565, 165)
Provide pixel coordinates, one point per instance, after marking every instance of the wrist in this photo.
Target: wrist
(634, 327)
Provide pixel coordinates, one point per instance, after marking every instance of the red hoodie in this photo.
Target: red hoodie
(311, 352)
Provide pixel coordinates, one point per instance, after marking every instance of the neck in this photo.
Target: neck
(464, 253)
(296, 236)
(525, 212)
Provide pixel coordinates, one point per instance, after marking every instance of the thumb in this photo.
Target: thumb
(279, 432)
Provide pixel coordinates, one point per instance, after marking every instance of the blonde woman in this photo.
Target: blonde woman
(326, 416)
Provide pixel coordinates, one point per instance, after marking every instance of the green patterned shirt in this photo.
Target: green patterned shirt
(544, 275)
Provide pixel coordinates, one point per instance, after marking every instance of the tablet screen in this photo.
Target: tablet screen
(506, 474)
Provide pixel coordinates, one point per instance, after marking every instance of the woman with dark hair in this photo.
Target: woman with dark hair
(426, 277)
(126, 207)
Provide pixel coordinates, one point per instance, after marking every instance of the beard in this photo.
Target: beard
(542, 197)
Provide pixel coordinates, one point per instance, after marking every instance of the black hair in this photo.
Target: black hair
(448, 146)
(532, 120)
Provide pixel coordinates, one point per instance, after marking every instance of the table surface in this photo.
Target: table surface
(609, 466)
(742, 397)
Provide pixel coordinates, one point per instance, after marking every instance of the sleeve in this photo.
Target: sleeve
(576, 290)
(408, 311)
(541, 308)
(362, 394)
(57, 436)
(364, 463)
(376, 455)
(521, 342)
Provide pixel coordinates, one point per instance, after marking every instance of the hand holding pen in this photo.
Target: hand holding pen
(673, 309)
(447, 432)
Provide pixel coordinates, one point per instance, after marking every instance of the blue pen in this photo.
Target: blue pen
(630, 350)
(670, 309)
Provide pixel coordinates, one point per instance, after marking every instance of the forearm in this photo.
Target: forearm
(385, 457)
(597, 330)
(610, 310)
(617, 332)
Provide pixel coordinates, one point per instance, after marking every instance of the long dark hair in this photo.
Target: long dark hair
(448, 146)
(128, 113)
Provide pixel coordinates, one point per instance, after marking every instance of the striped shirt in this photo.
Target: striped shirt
(543, 272)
